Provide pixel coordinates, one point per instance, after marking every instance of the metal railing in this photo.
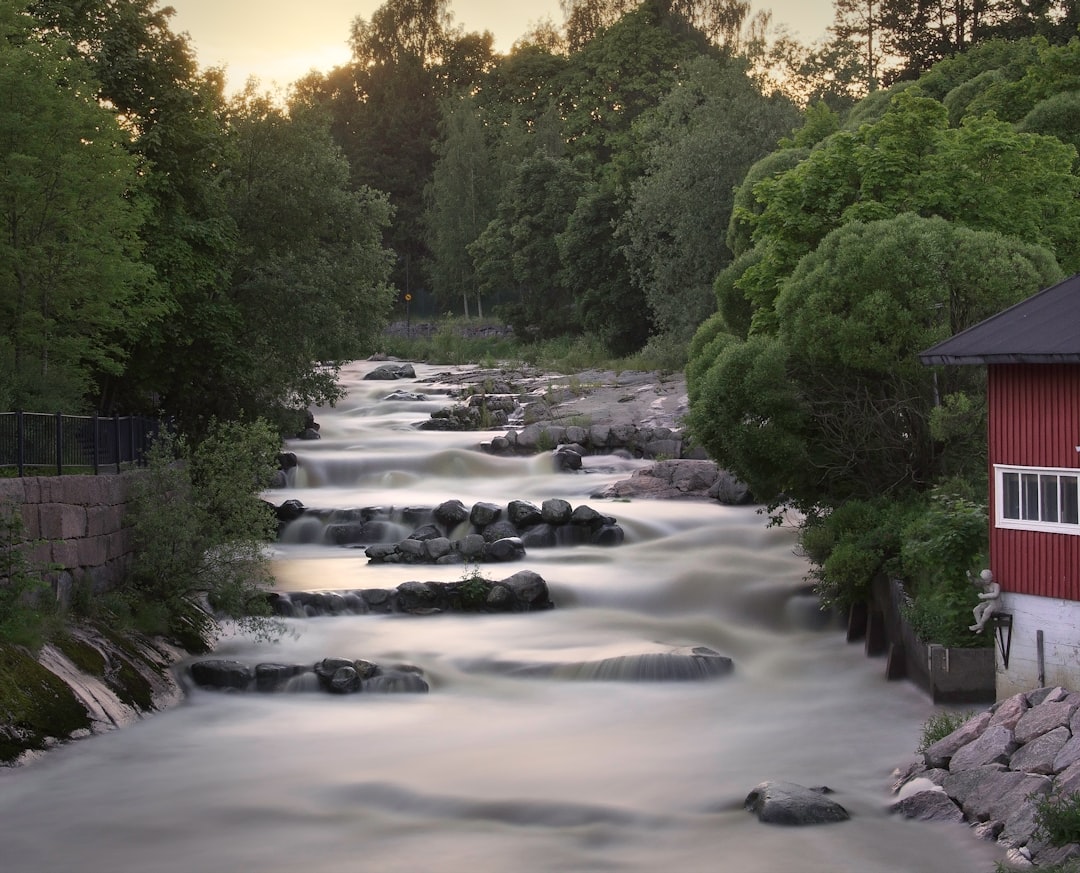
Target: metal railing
(34, 440)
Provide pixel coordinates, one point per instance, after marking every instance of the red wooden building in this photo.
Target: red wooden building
(1032, 355)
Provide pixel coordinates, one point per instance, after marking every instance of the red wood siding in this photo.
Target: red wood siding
(1034, 422)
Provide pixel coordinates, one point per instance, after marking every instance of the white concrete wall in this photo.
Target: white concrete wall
(1059, 620)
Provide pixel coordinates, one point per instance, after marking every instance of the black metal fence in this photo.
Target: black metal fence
(75, 443)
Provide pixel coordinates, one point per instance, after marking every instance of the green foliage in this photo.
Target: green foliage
(703, 137)
(851, 545)
(201, 535)
(472, 589)
(1057, 819)
(74, 293)
(944, 547)
(940, 725)
(26, 614)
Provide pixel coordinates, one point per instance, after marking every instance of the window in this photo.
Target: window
(1035, 498)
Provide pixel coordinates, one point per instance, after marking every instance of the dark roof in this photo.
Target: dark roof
(1044, 329)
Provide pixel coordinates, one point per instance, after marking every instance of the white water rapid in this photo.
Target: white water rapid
(494, 773)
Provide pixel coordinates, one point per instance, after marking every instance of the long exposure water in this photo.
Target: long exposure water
(492, 772)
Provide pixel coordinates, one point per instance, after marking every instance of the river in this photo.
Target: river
(489, 772)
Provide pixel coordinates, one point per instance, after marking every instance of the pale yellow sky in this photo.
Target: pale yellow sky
(278, 41)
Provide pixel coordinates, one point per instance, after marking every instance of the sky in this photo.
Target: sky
(278, 41)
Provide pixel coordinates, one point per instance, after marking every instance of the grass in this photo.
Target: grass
(939, 726)
(451, 345)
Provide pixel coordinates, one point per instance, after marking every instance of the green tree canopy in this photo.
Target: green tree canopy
(836, 405)
(74, 292)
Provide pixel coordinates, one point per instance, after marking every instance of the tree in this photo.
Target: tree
(518, 252)
(835, 405)
(860, 21)
(201, 536)
(308, 287)
(704, 136)
(984, 175)
(74, 292)
(616, 77)
(595, 270)
(461, 201)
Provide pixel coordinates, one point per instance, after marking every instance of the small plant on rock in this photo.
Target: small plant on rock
(1057, 818)
(939, 726)
(473, 587)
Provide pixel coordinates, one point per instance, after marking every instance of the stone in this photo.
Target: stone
(1008, 712)
(994, 745)
(1000, 794)
(1038, 756)
(498, 530)
(587, 517)
(930, 805)
(451, 513)
(505, 549)
(221, 674)
(556, 511)
(1042, 719)
(539, 536)
(437, 547)
(522, 513)
(786, 803)
(960, 786)
(940, 753)
(482, 514)
(529, 590)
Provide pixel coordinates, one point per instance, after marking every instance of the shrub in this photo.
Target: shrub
(25, 612)
(1057, 819)
(201, 534)
(939, 726)
(942, 545)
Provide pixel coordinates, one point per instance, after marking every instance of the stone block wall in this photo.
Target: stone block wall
(78, 523)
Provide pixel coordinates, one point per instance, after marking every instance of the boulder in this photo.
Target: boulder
(929, 805)
(786, 803)
(221, 674)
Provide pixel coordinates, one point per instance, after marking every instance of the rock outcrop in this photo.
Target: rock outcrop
(524, 591)
(995, 769)
(452, 533)
(331, 675)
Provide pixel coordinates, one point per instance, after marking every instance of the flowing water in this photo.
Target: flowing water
(492, 772)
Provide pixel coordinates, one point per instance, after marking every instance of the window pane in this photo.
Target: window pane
(1070, 506)
(1048, 508)
(1010, 495)
(1029, 491)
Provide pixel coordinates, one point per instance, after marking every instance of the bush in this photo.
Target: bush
(26, 614)
(1057, 819)
(944, 546)
(850, 545)
(939, 726)
(201, 534)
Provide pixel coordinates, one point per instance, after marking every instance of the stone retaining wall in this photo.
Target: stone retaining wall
(79, 525)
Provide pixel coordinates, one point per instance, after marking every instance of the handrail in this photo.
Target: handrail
(32, 440)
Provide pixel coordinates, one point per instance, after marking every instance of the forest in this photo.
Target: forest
(794, 223)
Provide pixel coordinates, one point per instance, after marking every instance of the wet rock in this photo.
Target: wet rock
(499, 530)
(522, 513)
(786, 803)
(274, 677)
(556, 511)
(290, 510)
(506, 549)
(482, 514)
(451, 513)
(221, 674)
(390, 372)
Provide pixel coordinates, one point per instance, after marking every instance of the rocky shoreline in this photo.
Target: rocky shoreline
(996, 769)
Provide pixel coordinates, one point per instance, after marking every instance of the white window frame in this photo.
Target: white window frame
(1031, 505)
